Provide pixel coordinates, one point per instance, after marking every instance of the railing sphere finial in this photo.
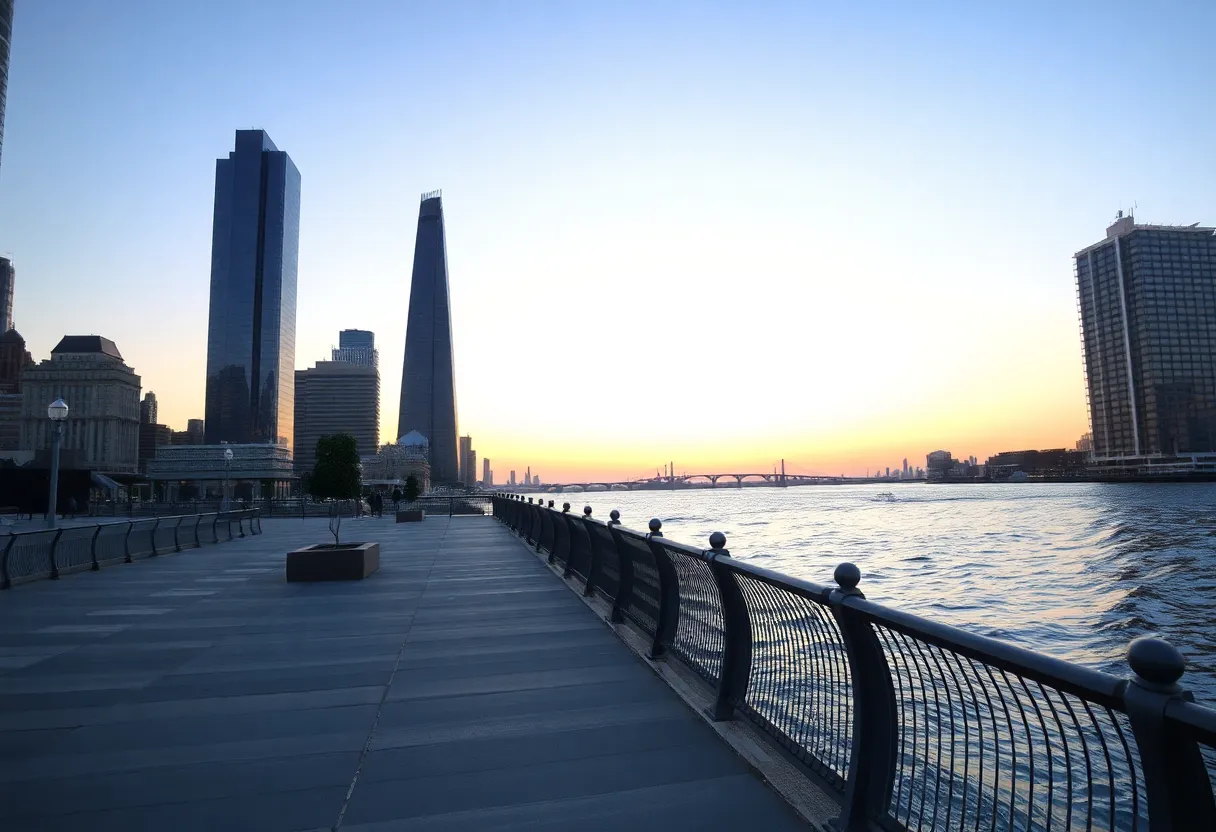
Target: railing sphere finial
(529, 499)
(1155, 660)
(550, 504)
(655, 524)
(847, 575)
(717, 540)
(615, 515)
(587, 510)
(565, 506)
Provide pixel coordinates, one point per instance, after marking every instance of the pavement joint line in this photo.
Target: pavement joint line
(354, 781)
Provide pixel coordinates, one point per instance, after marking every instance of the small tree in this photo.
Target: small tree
(412, 491)
(336, 474)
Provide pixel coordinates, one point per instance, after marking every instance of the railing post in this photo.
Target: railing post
(215, 528)
(669, 595)
(737, 632)
(593, 568)
(1176, 784)
(624, 588)
(198, 521)
(126, 542)
(451, 500)
(153, 537)
(7, 581)
(54, 546)
(560, 522)
(177, 535)
(93, 548)
(240, 524)
(872, 756)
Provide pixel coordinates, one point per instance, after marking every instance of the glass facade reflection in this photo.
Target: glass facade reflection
(251, 332)
(428, 383)
(1147, 296)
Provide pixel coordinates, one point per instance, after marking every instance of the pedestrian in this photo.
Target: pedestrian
(72, 507)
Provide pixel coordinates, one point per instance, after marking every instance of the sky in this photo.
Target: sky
(719, 234)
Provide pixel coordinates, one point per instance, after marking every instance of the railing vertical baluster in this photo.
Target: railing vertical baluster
(872, 757)
(737, 632)
(624, 589)
(54, 546)
(198, 521)
(1179, 793)
(177, 539)
(593, 549)
(126, 542)
(153, 536)
(669, 595)
(93, 549)
(7, 581)
(215, 528)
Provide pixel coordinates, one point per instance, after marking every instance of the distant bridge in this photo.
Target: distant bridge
(709, 481)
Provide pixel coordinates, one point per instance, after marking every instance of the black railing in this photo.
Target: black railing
(50, 553)
(911, 724)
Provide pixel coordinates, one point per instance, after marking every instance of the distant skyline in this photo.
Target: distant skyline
(717, 234)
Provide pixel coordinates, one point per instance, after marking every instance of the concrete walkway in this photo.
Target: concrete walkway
(460, 687)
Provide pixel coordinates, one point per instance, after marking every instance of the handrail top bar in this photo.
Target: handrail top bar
(796, 586)
(1105, 688)
(683, 549)
(1195, 716)
(118, 521)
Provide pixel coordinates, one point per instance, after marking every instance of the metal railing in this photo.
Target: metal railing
(452, 505)
(50, 553)
(910, 723)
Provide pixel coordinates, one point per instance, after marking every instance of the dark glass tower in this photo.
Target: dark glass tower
(1147, 297)
(251, 332)
(428, 379)
(6, 36)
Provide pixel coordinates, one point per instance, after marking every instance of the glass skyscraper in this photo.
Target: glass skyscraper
(251, 331)
(428, 385)
(357, 346)
(1147, 299)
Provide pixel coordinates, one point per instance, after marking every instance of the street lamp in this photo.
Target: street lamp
(58, 412)
(227, 468)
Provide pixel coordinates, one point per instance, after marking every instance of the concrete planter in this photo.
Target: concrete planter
(327, 562)
(411, 515)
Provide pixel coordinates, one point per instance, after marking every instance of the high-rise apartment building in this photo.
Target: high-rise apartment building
(487, 476)
(147, 409)
(251, 332)
(8, 278)
(357, 346)
(6, 37)
(428, 386)
(511, 480)
(102, 393)
(335, 397)
(1147, 301)
(14, 360)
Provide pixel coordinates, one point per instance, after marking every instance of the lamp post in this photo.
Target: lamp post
(227, 468)
(58, 412)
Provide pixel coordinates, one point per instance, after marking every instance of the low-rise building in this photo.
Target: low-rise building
(255, 471)
(395, 462)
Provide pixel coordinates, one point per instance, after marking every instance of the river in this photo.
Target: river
(1075, 570)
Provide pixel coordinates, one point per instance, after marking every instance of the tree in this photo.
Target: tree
(336, 474)
(396, 495)
(412, 491)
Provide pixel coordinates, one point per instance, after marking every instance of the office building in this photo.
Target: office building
(6, 37)
(487, 476)
(151, 437)
(335, 397)
(428, 385)
(357, 346)
(15, 359)
(257, 470)
(102, 393)
(1147, 301)
(192, 435)
(8, 276)
(251, 331)
(147, 409)
(511, 480)
(468, 462)
(393, 464)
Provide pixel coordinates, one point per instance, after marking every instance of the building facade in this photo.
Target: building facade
(394, 463)
(335, 397)
(102, 394)
(148, 410)
(8, 274)
(255, 471)
(151, 437)
(1147, 301)
(251, 331)
(428, 382)
(357, 346)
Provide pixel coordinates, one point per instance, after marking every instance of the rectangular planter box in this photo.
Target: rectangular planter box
(326, 562)
(411, 515)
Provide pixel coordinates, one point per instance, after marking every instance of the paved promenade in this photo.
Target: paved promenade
(461, 687)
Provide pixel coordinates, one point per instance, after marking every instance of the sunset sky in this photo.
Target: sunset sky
(720, 234)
